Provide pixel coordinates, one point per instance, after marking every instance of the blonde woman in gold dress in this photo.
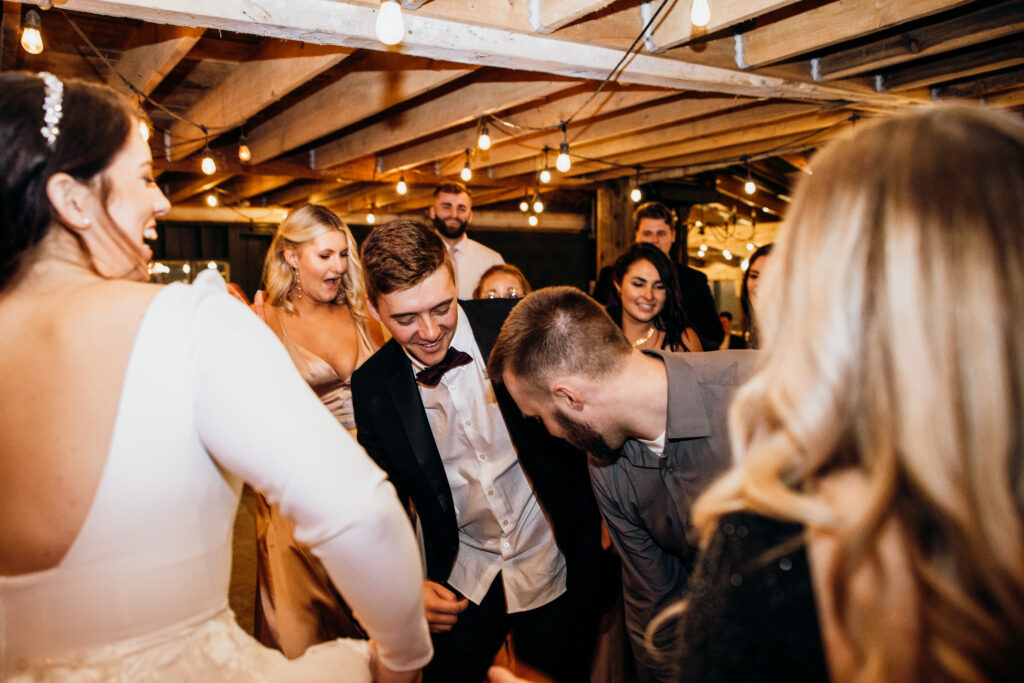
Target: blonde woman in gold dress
(316, 305)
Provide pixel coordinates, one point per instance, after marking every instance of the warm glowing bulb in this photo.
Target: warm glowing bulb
(563, 163)
(211, 200)
(538, 206)
(186, 269)
(467, 173)
(703, 247)
(144, 131)
(211, 265)
(484, 141)
(209, 166)
(401, 187)
(545, 176)
(745, 264)
(700, 15)
(532, 220)
(370, 218)
(727, 255)
(635, 194)
(749, 187)
(750, 246)
(244, 153)
(390, 27)
(31, 36)
(524, 206)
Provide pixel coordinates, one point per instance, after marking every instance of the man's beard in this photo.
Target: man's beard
(448, 231)
(583, 437)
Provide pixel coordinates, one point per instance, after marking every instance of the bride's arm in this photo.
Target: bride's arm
(261, 421)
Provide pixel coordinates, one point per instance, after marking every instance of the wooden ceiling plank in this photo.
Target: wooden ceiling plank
(980, 87)
(957, 66)
(225, 214)
(1006, 100)
(675, 133)
(248, 186)
(733, 188)
(350, 25)
(146, 66)
(363, 93)
(459, 106)
(182, 190)
(550, 15)
(674, 26)
(277, 70)
(553, 109)
(987, 23)
(300, 191)
(831, 23)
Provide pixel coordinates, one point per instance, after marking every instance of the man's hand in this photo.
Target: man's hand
(443, 608)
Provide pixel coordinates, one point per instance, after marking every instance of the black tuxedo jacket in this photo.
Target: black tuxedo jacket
(392, 426)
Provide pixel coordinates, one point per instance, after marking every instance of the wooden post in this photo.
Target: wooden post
(614, 221)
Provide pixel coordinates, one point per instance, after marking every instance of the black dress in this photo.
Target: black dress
(751, 613)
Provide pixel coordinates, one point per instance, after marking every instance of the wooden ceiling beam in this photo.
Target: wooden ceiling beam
(828, 24)
(550, 15)
(1006, 100)
(732, 188)
(351, 25)
(980, 87)
(225, 214)
(956, 66)
(676, 133)
(453, 108)
(300, 191)
(182, 190)
(983, 25)
(248, 186)
(276, 70)
(557, 107)
(674, 26)
(351, 98)
(146, 66)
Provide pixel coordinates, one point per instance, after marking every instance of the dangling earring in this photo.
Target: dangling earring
(298, 284)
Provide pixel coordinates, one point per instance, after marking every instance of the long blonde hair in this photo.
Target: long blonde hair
(893, 348)
(299, 227)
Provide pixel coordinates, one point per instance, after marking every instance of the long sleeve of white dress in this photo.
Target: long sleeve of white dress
(260, 421)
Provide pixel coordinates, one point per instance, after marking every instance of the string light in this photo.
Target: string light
(484, 141)
(533, 220)
(727, 255)
(524, 206)
(545, 174)
(635, 194)
(244, 153)
(32, 33)
(538, 205)
(401, 187)
(211, 200)
(563, 163)
(750, 246)
(390, 28)
(700, 15)
(467, 173)
(208, 165)
(370, 218)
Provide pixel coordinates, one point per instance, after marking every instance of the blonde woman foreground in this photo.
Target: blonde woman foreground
(133, 412)
(316, 305)
(876, 521)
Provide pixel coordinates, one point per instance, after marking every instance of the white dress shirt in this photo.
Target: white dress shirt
(471, 260)
(501, 525)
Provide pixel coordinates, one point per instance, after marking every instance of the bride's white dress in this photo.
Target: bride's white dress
(210, 398)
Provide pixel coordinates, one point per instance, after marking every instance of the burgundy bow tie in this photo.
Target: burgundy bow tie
(431, 377)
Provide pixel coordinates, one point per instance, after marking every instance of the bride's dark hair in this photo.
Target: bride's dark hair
(94, 127)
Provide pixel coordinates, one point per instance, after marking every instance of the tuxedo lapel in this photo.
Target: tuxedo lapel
(413, 418)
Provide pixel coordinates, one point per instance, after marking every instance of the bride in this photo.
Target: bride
(131, 417)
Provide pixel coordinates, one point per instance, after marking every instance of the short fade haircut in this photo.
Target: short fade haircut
(655, 210)
(452, 187)
(557, 331)
(400, 254)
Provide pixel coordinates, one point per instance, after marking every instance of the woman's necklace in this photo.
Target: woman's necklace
(643, 340)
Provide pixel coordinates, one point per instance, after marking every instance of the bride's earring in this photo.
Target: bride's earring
(298, 283)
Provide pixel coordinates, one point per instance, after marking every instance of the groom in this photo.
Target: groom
(509, 524)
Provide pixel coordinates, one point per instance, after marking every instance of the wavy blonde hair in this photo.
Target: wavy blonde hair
(298, 228)
(893, 348)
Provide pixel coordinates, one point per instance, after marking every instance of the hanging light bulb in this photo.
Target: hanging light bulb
(538, 206)
(208, 165)
(700, 15)
(727, 255)
(390, 27)
(563, 163)
(401, 187)
(750, 246)
(144, 131)
(635, 194)
(484, 141)
(244, 153)
(466, 173)
(370, 218)
(545, 176)
(31, 34)
(524, 206)
(533, 220)
(749, 187)
(211, 200)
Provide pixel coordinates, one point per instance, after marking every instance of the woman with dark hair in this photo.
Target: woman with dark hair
(749, 294)
(646, 303)
(133, 412)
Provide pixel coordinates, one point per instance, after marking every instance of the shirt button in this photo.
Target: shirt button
(505, 543)
(504, 522)
(491, 492)
(469, 423)
(481, 456)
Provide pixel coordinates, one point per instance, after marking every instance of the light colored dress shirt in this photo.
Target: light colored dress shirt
(471, 259)
(501, 525)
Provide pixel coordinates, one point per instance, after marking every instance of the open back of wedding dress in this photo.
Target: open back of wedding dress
(211, 398)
